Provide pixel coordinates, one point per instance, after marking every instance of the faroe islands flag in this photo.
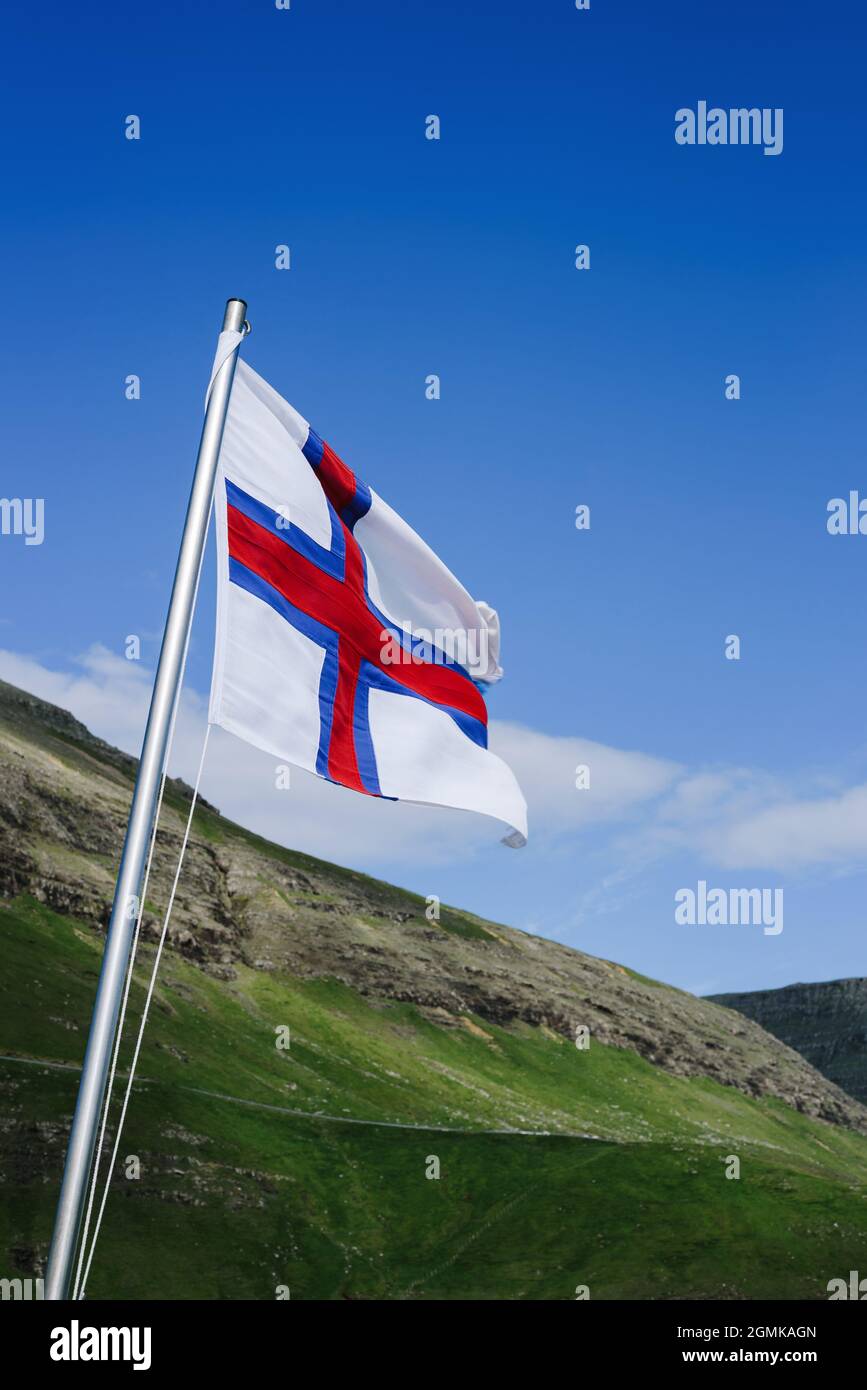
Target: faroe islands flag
(344, 645)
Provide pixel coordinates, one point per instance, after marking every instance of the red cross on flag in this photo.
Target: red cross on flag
(344, 645)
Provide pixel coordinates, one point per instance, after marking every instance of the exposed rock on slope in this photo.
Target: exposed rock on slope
(64, 797)
(826, 1023)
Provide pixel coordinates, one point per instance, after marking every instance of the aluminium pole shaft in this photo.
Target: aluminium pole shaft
(83, 1136)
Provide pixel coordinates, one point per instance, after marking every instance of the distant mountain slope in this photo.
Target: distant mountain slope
(430, 1131)
(826, 1023)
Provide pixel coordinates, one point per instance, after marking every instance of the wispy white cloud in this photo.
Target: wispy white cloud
(645, 808)
(110, 695)
(800, 833)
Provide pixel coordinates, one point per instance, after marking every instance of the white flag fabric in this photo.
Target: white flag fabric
(344, 645)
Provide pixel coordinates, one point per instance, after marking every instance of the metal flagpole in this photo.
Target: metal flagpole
(80, 1153)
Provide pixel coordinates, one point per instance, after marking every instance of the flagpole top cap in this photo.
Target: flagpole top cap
(235, 316)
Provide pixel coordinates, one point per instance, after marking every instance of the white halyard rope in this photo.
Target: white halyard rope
(144, 1018)
(120, 1023)
(129, 973)
(78, 1286)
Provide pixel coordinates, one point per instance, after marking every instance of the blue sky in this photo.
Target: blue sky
(559, 387)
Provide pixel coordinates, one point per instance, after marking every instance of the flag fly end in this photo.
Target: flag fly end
(514, 840)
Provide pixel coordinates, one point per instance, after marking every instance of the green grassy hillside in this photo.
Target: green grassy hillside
(262, 1167)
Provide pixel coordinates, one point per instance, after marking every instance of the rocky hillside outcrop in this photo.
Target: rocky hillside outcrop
(64, 798)
(826, 1023)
